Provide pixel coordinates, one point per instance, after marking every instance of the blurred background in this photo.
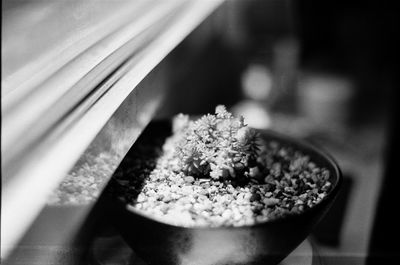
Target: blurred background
(323, 71)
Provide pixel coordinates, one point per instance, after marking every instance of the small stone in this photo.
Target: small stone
(167, 199)
(255, 197)
(189, 179)
(239, 166)
(254, 172)
(311, 165)
(227, 214)
(269, 179)
(237, 159)
(270, 201)
(70, 189)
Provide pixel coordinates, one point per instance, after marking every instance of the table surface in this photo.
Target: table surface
(114, 251)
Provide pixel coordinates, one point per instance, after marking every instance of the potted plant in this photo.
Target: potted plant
(214, 191)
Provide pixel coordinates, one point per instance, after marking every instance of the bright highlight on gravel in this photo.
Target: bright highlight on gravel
(216, 171)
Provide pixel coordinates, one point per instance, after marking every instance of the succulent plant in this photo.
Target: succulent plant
(216, 145)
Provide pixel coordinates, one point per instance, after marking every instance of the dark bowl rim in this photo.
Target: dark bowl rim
(300, 144)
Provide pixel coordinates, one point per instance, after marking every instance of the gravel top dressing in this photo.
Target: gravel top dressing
(84, 183)
(218, 172)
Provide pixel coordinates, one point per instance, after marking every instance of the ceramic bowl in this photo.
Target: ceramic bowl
(263, 243)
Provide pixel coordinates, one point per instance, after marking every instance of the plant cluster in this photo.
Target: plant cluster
(219, 146)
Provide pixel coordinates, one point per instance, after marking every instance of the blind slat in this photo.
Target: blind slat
(71, 119)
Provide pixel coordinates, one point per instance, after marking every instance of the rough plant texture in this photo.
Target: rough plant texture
(170, 183)
(219, 146)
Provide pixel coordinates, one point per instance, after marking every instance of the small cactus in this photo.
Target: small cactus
(219, 146)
